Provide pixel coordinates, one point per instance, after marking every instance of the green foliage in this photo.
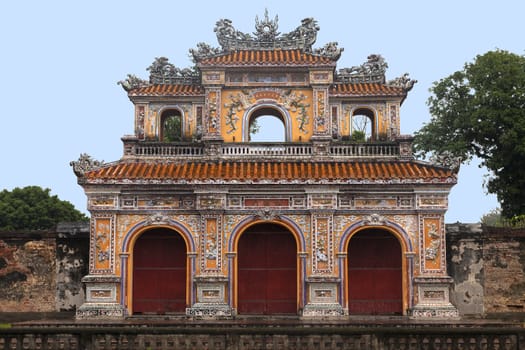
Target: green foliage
(172, 129)
(33, 208)
(480, 111)
(495, 219)
(358, 136)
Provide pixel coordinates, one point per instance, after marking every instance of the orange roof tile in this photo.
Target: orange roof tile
(252, 172)
(267, 58)
(365, 89)
(168, 90)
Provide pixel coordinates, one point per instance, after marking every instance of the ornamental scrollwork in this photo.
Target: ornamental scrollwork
(157, 219)
(84, 164)
(374, 219)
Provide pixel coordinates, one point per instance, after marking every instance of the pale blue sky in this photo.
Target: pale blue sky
(61, 61)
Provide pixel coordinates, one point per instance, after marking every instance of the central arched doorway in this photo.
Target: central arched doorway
(159, 272)
(267, 271)
(375, 273)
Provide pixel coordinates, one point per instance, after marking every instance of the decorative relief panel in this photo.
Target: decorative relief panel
(429, 202)
(211, 244)
(321, 122)
(322, 201)
(165, 202)
(432, 252)
(322, 244)
(211, 202)
(393, 130)
(139, 121)
(213, 124)
(99, 202)
(102, 244)
(375, 202)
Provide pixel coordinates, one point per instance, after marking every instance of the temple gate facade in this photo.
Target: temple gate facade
(335, 218)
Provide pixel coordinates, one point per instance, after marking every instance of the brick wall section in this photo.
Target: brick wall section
(504, 255)
(487, 265)
(41, 271)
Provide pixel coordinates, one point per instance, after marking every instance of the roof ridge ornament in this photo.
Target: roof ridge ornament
(265, 37)
(84, 164)
(372, 71)
(266, 30)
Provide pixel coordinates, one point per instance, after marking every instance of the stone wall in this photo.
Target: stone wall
(487, 265)
(41, 271)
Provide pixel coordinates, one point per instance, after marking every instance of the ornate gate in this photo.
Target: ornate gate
(267, 271)
(159, 272)
(374, 273)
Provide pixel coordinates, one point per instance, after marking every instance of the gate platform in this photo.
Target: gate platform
(253, 333)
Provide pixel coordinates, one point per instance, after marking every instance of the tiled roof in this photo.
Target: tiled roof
(365, 89)
(168, 90)
(282, 172)
(267, 58)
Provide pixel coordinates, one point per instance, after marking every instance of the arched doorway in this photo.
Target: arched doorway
(375, 273)
(159, 272)
(267, 271)
(362, 125)
(266, 123)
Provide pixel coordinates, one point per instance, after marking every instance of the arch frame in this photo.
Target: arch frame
(128, 246)
(270, 104)
(407, 258)
(374, 120)
(233, 242)
(160, 121)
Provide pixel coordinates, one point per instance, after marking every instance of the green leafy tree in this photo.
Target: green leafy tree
(480, 111)
(34, 208)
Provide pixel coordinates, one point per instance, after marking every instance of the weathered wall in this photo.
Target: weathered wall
(487, 265)
(504, 255)
(42, 271)
(465, 266)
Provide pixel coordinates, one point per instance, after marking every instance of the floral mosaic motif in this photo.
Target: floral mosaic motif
(295, 103)
(322, 246)
(237, 103)
(213, 111)
(432, 250)
(320, 120)
(102, 244)
(211, 243)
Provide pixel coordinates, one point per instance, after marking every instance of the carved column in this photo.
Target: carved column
(212, 117)
(322, 286)
(102, 285)
(432, 286)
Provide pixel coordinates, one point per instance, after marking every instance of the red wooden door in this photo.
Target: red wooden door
(159, 273)
(267, 271)
(374, 274)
